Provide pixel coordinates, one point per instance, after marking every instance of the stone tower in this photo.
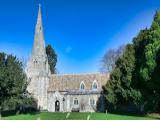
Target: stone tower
(37, 70)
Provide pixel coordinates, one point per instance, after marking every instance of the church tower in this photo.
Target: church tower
(37, 70)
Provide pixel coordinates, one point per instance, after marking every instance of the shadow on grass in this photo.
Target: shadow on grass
(8, 113)
(137, 115)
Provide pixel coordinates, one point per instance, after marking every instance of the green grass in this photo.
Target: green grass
(76, 116)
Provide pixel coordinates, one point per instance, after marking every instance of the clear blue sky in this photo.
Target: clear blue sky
(79, 30)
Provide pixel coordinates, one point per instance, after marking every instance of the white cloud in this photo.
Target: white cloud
(68, 49)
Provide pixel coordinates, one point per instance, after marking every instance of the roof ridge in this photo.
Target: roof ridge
(77, 74)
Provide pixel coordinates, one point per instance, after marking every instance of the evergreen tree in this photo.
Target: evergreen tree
(12, 83)
(149, 70)
(119, 90)
(135, 79)
(52, 58)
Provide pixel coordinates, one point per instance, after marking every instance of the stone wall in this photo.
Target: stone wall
(84, 102)
(52, 98)
(66, 88)
(67, 102)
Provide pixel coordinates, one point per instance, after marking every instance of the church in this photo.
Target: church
(58, 92)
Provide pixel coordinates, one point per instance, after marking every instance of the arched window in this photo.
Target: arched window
(94, 85)
(82, 86)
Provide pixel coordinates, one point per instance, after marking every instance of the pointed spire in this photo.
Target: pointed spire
(39, 45)
(39, 20)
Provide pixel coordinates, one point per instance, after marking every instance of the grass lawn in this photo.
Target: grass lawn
(75, 116)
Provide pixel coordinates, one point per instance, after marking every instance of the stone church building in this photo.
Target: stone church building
(56, 92)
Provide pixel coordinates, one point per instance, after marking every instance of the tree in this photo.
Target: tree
(147, 46)
(119, 90)
(13, 83)
(149, 69)
(52, 58)
(110, 58)
(135, 79)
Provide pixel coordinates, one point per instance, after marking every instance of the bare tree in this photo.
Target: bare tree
(109, 59)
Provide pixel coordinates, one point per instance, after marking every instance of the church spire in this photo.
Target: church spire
(39, 45)
(39, 20)
(38, 70)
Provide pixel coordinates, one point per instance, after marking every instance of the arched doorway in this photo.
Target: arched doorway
(57, 106)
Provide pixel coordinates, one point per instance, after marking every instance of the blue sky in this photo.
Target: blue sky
(79, 30)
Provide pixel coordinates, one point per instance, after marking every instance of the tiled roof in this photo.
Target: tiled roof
(72, 82)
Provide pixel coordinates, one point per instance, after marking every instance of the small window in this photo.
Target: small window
(35, 63)
(82, 86)
(75, 101)
(92, 102)
(94, 85)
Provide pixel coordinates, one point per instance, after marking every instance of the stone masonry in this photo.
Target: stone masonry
(54, 92)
